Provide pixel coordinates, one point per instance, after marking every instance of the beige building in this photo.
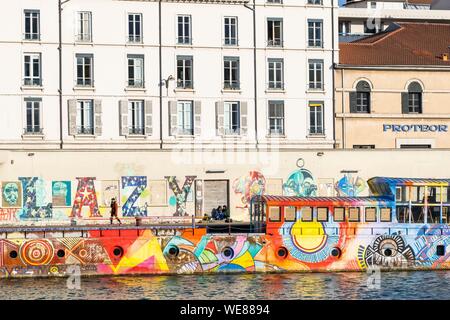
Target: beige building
(392, 89)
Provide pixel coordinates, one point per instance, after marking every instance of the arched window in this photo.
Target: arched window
(360, 100)
(412, 100)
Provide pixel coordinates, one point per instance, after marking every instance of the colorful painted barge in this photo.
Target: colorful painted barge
(402, 225)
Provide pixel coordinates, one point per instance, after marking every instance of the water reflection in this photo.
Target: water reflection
(394, 285)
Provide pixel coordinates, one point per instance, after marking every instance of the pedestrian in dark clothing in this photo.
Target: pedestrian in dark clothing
(114, 210)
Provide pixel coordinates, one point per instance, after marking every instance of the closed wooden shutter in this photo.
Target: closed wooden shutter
(353, 102)
(173, 118)
(148, 118)
(72, 106)
(405, 98)
(244, 124)
(220, 118)
(98, 117)
(123, 114)
(197, 117)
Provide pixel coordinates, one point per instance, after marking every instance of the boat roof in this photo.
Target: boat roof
(271, 199)
(409, 181)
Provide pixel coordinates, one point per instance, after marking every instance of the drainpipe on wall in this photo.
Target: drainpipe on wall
(160, 79)
(255, 88)
(333, 73)
(60, 74)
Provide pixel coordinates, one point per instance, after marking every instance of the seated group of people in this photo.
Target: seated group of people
(219, 213)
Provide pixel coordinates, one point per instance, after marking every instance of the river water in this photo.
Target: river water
(391, 285)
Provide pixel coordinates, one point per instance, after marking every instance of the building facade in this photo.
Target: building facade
(150, 75)
(391, 89)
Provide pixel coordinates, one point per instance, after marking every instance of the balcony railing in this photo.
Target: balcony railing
(136, 130)
(232, 131)
(275, 43)
(230, 41)
(184, 84)
(32, 82)
(83, 82)
(33, 130)
(83, 38)
(184, 40)
(272, 85)
(134, 38)
(231, 85)
(132, 83)
(276, 132)
(316, 86)
(31, 36)
(85, 130)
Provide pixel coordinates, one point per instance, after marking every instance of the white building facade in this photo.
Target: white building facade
(155, 75)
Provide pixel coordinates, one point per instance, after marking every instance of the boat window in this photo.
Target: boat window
(402, 214)
(417, 214)
(385, 215)
(339, 214)
(274, 214)
(307, 214)
(441, 194)
(445, 214)
(432, 195)
(434, 214)
(353, 214)
(322, 214)
(371, 214)
(289, 214)
(398, 194)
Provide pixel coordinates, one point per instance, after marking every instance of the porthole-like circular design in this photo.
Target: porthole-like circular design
(117, 252)
(336, 252)
(228, 253)
(388, 252)
(37, 252)
(13, 254)
(173, 251)
(282, 252)
(61, 253)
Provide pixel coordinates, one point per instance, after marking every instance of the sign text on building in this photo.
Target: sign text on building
(415, 128)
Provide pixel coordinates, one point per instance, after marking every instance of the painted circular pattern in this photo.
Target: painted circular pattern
(36, 252)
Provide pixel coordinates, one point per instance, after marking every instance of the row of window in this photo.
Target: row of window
(184, 29)
(136, 118)
(185, 64)
(321, 214)
(360, 100)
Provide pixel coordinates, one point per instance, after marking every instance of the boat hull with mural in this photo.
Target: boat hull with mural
(402, 225)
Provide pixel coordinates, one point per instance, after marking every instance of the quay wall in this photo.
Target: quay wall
(55, 187)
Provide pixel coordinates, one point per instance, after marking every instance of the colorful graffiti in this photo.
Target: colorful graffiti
(180, 196)
(34, 199)
(350, 186)
(85, 196)
(61, 193)
(300, 183)
(137, 185)
(253, 184)
(11, 194)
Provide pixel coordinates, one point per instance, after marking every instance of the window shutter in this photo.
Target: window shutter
(148, 118)
(405, 108)
(243, 129)
(173, 117)
(98, 117)
(72, 105)
(123, 112)
(220, 118)
(353, 102)
(197, 117)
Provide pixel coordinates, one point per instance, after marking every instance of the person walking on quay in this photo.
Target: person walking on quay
(114, 210)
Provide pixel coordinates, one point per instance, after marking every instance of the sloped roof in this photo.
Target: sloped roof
(402, 44)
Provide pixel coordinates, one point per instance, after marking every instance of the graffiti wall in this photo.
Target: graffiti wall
(294, 247)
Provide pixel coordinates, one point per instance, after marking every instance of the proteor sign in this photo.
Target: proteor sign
(415, 128)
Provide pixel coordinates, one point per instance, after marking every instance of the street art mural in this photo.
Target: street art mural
(61, 193)
(109, 190)
(35, 197)
(247, 186)
(350, 186)
(180, 195)
(300, 183)
(85, 197)
(135, 185)
(11, 194)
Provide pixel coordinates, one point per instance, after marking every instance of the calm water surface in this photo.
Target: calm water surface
(393, 285)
